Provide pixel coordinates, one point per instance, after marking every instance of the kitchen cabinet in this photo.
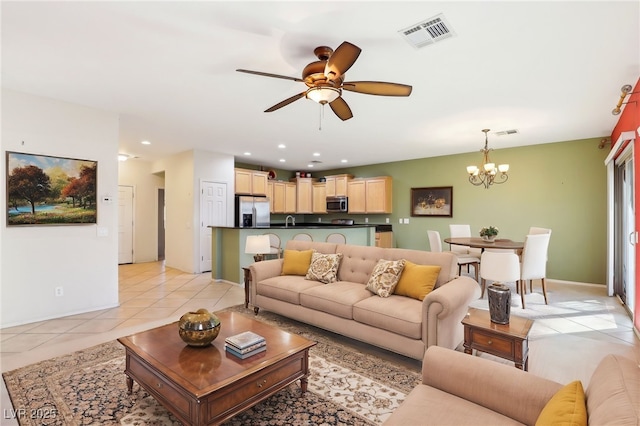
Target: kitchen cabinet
(250, 182)
(370, 195)
(277, 202)
(319, 197)
(270, 195)
(356, 191)
(337, 185)
(304, 195)
(290, 203)
(384, 239)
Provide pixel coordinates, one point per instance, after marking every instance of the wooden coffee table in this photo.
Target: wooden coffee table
(204, 386)
(509, 341)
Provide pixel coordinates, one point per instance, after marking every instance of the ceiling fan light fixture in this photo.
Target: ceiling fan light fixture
(323, 94)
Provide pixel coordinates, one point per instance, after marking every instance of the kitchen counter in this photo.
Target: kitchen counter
(228, 243)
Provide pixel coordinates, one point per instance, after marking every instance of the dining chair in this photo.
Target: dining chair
(463, 259)
(463, 231)
(499, 267)
(337, 238)
(303, 236)
(534, 263)
(275, 245)
(534, 230)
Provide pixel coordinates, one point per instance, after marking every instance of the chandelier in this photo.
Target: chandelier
(488, 173)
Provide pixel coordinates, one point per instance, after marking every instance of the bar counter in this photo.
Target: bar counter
(228, 243)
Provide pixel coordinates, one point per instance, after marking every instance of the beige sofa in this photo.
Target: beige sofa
(460, 389)
(398, 323)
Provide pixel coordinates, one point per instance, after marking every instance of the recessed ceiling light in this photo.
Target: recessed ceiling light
(316, 154)
(282, 160)
(123, 157)
(145, 143)
(310, 166)
(247, 153)
(343, 161)
(281, 146)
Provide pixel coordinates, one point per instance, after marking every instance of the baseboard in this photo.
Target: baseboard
(554, 281)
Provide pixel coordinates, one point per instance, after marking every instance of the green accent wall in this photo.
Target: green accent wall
(561, 186)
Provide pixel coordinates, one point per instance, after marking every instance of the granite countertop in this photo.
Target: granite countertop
(317, 225)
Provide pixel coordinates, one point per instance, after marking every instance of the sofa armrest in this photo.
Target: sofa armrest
(499, 387)
(443, 310)
(261, 271)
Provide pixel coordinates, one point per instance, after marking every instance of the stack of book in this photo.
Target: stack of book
(245, 344)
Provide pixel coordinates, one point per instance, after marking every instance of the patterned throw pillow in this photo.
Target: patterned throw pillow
(385, 276)
(324, 267)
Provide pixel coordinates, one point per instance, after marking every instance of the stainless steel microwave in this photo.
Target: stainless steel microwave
(337, 204)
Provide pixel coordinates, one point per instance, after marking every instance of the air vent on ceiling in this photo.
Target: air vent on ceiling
(507, 132)
(428, 32)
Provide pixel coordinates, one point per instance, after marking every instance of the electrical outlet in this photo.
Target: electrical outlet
(366, 220)
(59, 291)
(387, 220)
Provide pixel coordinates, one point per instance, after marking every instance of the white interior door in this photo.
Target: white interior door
(125, 224)
(213, 212)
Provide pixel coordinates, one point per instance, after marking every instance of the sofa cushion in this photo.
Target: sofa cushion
(296, 262)
(286, 287)
(357, 262)
(614, 392)
(324, 267)
(385, 276)
(335, 298)
(567, 407)
(397, 314)
(428, 405)
(417, 281)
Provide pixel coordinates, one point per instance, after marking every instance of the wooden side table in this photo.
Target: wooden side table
(508, 341)
(247, 283)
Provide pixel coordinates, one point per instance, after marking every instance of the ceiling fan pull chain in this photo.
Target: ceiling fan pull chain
(320, 116)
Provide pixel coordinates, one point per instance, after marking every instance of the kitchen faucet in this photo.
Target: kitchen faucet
(286, 221)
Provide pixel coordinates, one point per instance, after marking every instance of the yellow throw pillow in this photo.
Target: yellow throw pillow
(567, 407)
(416, 280)
(296, 262)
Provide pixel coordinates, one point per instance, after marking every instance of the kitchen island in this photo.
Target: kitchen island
(228, 243)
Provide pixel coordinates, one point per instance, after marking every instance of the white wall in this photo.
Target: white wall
(36, 259)
(137, 173)
(184, 173)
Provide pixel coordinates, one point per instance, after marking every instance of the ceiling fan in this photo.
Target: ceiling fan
(325, 80)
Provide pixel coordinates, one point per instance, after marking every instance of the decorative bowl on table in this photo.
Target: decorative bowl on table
(199, 328)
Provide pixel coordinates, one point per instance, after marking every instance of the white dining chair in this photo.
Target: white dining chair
(303, 236)
(501, 267)
(463, 231)
(337, 238)
(462, 258)
(534, 263)
(534, 230)
(275, 245)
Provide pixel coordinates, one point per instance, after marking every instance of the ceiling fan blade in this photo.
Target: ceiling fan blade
(377, 88)
(286, 102)
(341, 60)
(341, 109)
(266, 74)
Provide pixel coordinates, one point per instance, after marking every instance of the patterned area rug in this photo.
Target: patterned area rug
(346, 387)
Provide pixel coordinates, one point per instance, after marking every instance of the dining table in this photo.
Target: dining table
(475, 242)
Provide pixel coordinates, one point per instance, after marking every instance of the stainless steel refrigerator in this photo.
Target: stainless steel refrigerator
(252, 212)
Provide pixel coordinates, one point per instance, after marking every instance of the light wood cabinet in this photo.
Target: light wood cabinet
(384, 239)
(319, 197)
(379, 195)
(250, 182)
(337, 185)
(370, 195)
(356, 191)
(290, 203)
(304, 195)
(270, 195)
(277, 203)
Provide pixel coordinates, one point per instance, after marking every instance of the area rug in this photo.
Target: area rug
(88, 387)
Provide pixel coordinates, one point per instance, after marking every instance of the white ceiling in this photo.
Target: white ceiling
(552, 70)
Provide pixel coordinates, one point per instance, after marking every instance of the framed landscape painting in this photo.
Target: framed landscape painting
(46, 190)
(435, 201)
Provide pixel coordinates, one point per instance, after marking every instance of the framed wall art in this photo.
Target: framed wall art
(434, 201)
(46, 190)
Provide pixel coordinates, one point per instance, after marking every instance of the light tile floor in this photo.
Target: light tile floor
(569, 337)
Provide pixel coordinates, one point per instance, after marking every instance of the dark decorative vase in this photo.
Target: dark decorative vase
(199, 328)
(499, 296)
